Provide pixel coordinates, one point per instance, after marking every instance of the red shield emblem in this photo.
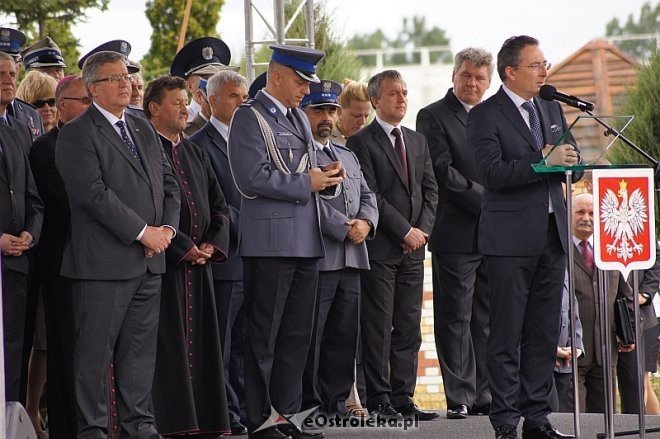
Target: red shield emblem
(624, 221)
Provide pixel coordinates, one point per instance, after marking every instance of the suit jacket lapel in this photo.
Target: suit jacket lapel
(216, 139)
(544, 119)
(274, 111)
(579, 261)
(513, 114)
(410, 155)
(140, 141)
(383, 141)
(7, 154)
(456, 107)
(114, 139)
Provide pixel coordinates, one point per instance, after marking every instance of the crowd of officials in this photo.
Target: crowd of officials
(251, 260)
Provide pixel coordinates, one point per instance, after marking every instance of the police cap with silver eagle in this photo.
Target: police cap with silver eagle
(119, 46)
(302, 60)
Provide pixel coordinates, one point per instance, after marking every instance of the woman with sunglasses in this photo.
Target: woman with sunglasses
(38, 89)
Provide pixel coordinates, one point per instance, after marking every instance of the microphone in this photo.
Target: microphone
(549, 93)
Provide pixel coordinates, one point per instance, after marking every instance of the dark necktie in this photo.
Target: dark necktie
(289, 115)
(127, 140)
(400, 152)
(534, 124)
(328, 152)
(10, 109)
(587, 255)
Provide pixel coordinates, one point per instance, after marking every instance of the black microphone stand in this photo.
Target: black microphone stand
(609, 130)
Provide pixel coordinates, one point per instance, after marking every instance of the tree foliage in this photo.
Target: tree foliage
(414, 33)
(166, 17)
(54, 18)
(649, 18)
(642, 101)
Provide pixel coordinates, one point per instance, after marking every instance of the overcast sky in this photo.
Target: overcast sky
(562, 26)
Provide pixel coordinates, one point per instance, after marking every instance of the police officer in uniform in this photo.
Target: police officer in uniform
(197, 60)
(349, 215)
(11, 41)
(273, 161)
(46, 57)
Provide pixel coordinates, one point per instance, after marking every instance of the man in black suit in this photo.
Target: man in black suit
(124, 213)
(21, 218)
(71, 100)
(226, 91)
(460, 289)
(522, 233)
(397, 167)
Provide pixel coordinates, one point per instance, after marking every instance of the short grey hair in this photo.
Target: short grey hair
(477, 56)
(215, 82)
(4, 56)
(373, 87)
(90, 69)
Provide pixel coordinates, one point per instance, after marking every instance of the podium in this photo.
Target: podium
(603, 142)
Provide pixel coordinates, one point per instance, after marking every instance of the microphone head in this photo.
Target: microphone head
(547, 92)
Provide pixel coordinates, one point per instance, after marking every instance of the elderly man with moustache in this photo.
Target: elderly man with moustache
(124, 203)
(460, 289)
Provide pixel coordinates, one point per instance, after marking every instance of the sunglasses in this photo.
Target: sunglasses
(41, 102)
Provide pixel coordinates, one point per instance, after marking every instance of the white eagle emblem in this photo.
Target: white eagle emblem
(623, 221)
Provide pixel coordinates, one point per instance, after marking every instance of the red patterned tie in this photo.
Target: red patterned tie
(587, 255)
(400, 152)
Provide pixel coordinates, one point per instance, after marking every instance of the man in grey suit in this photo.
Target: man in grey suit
(226, 91)
(273, 162)
(397, 166)
(124, 213)
(590, 366)
(460, 289)
(522, 225)
(349, 216)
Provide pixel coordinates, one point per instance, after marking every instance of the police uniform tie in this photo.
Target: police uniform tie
(289, 115)
(400, 152)
(127, 140)
(534, 124)
(329, 153)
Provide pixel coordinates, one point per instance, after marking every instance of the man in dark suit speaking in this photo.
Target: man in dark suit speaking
(397, 167)
(124, 213)
(522, 233)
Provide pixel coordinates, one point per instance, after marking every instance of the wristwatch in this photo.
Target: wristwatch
(648, 297)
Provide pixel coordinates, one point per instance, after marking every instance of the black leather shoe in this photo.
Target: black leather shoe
(292, 431)
(386, 411)
(506, 431)
(412, 411)
(546, 431)
(479, 410)
(237, 429)
(269, 433)
(457, 412)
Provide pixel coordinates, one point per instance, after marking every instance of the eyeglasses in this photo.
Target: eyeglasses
(536, 66)
(41, 102)
(113, 79)
(84, 101)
